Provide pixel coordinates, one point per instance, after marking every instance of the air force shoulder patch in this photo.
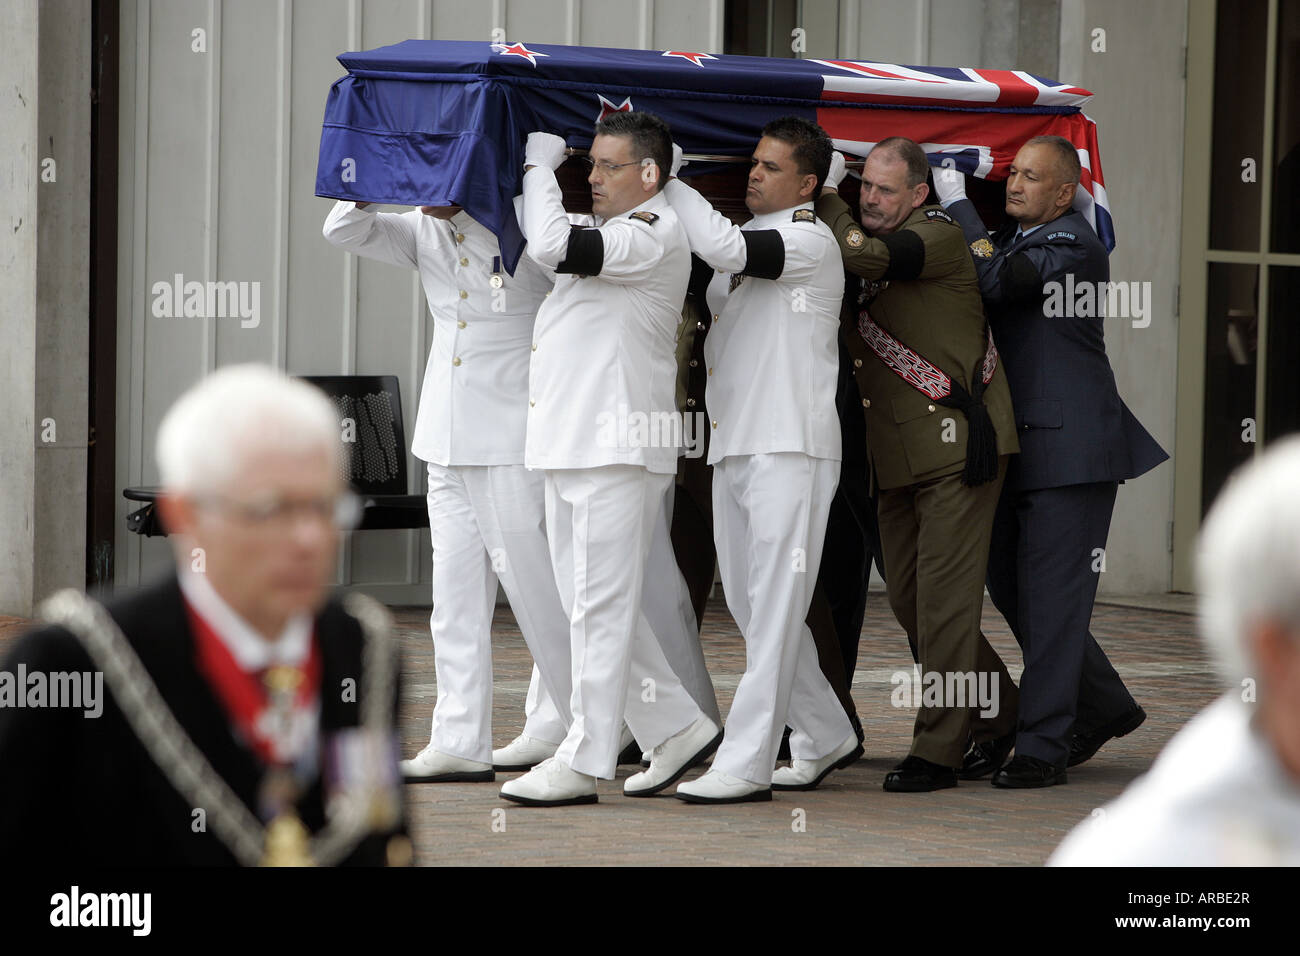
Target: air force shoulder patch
(982, 249)
(645, 216)
(1062, 235)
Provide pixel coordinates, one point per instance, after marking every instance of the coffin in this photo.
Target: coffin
(437, 122)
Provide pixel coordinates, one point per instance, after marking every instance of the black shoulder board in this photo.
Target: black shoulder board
(938, 214)
(1062, 234)
(644, 216)
(804, 215)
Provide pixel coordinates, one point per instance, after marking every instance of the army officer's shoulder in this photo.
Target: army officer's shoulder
(936, 227)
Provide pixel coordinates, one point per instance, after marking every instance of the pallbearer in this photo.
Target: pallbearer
(600, 407)
(486, 511)
(773, 362)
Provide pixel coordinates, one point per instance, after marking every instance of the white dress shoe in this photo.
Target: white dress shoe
(807, 774)
(551, 783)
(679, 753)
(718, 787)
(433, 766)
(522, 753)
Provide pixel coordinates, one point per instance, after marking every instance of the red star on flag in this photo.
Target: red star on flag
(607, 107)
(693, 57)
(518, 49)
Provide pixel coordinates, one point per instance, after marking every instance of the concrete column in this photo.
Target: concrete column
(19, 175)
(62, 297)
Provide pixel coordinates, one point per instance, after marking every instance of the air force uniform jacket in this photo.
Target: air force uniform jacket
(1073, 426)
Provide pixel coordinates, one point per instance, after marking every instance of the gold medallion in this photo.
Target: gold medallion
(287, 841)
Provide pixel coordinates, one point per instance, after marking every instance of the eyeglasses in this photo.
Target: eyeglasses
(608, 168)
(342, 511)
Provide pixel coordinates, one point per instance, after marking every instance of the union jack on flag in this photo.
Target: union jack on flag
(430, 122)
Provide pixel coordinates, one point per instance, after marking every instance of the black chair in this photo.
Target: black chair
(370, 417)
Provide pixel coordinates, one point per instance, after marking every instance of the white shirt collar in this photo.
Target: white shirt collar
(251, 651)
(656, 201)
(768, 219)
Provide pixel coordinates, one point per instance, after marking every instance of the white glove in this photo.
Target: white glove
(836, 172)
(678, 162)
(949, 184)
(544, 149)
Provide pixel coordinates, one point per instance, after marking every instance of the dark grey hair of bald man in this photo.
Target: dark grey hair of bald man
(1067, 157)
(649, 134)
(906, 151)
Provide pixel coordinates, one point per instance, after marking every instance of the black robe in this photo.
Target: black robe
(81, 790)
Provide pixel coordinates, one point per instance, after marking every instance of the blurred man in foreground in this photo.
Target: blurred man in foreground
(247, 716)
(1226, 789)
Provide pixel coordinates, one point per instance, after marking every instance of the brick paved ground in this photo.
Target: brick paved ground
(850, 819)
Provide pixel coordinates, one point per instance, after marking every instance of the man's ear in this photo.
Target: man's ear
(649, 175)
(1065, 195)
(922, 193)
(177, 513)
(808, 188)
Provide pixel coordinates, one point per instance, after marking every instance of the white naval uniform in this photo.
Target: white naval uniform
(1216, 796)
(773, 364)
(486, 511)
(602, 391)
(666, 604)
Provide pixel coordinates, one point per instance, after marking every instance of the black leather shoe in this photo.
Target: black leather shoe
(982, 759)
(783, 751)
(631, 754)
(917, 775)
(1026, 773)
(1084, 746)
(857, 728)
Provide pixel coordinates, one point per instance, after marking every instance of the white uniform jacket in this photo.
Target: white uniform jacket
(773, 347)
(474, 399)
(603, 378)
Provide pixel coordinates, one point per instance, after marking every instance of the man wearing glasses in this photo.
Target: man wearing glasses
(601, 410)
(246, 716)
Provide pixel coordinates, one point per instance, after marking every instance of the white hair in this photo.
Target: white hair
(1248, 559)
(205, 435)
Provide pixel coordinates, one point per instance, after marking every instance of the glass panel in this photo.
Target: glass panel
(1231, 349)
(1282, 356)
(1286, 131)
(1240, 37)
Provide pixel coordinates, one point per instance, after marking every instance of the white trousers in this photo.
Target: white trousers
(769, 523)
(600, 522)
(488, 523)
(666, 604)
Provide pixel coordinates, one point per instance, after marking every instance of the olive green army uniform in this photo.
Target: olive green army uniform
(919, 284)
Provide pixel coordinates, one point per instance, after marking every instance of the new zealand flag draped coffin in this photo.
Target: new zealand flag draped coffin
(436, 122)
